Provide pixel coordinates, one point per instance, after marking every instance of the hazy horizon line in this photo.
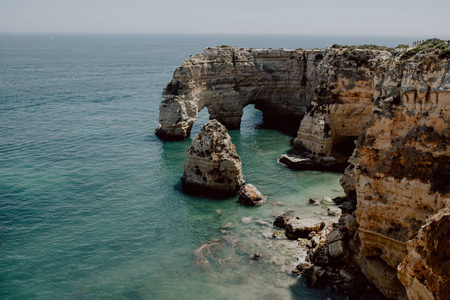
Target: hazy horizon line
(237, 34)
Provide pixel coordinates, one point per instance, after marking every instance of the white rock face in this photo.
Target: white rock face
(213, 166)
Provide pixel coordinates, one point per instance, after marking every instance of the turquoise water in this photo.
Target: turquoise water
(90, 199)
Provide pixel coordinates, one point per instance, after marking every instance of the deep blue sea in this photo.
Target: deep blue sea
(91, 205)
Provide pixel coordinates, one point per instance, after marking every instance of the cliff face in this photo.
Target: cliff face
(281, 83)
(225, 80)
(213, 166)
(401, 170)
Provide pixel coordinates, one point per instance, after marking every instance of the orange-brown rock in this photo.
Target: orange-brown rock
(249, 195)
(425, 271)
(401, 170)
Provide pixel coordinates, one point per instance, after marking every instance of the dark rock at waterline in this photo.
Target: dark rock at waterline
(313, 201)
(339, 200)
(281, 220)
(316, 276)
(347, 207)
(256, 256)
(304, 266)
(277, 234)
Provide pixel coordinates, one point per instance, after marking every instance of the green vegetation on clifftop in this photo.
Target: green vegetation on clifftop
(440, 47)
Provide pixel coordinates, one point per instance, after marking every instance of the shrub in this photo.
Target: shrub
(360, 57)
(429, 46)
(363, 47)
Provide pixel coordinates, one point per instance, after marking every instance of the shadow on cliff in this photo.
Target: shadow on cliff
(301, 291)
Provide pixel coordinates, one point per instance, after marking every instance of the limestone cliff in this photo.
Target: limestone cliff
(398, 105)
(401, 170)
(213, 166)
(281, 83)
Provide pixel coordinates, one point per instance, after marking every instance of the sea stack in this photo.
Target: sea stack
(213, 167)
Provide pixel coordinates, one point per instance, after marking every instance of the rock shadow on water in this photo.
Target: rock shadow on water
(300, 291)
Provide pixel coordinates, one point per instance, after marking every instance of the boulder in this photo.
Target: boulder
(313, 201)
(339, 200)
(335, 235)
(347, 207)
(337, 249)
(296, 162)
(296, 228)
(213, 166)
(303, 266)
(277, 234)
(281, 220)
(334, 211)
(249, 195)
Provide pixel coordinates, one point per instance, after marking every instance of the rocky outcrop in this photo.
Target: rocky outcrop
(250, 196)
(301, 228)
(213, 166)
(281, 83)
(425, 271)
(282, 220)
(400, 168)
(399, 106)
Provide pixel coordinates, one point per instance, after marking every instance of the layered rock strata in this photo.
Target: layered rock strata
(281, 83)
(400, 175)
(213, 166)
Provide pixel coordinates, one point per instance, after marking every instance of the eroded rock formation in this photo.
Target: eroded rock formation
(213, 166)
(398, 174)
(281, 83)
(401, 170)
(249, 195)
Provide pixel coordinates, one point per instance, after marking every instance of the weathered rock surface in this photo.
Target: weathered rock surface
(213, 166)
(249, 195)
(425, 271)
(334, 211)
(398, 173)
(281, 83)
(282, 220)
(401, 171)
(300, 228)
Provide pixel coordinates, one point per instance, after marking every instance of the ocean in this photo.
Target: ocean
(91, 205)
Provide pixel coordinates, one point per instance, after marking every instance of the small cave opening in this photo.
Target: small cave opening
(272, 119)
(343, 147)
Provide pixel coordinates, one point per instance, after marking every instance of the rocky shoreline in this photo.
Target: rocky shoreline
(393, 105)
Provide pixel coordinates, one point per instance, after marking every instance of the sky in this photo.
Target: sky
(328, 17)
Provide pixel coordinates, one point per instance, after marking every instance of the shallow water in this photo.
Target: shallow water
(90, 198)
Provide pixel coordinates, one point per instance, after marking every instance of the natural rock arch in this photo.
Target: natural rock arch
(283, 84)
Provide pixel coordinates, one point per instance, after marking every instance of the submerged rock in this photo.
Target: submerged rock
(249, 195)
(277, 234)
(213, 166)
